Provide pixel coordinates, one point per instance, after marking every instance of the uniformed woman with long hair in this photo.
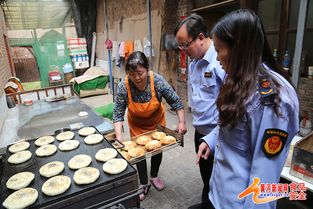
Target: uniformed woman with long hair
(258, 115)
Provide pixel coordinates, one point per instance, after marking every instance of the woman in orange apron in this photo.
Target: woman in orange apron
(142, 92)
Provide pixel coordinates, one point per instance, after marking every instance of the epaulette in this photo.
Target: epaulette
(267, 90)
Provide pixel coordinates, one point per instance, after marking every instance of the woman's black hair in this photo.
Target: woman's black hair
(194, 24)
(136, 58)
(243, 32)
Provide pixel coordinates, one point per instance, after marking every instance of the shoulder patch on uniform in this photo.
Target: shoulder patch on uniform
(266, 90)
(273, 142)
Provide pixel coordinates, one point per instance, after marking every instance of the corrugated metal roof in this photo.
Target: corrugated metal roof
(32, 14)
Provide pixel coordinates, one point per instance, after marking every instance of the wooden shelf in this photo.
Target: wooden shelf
(217, 5)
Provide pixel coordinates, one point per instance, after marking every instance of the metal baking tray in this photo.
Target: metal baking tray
(179, 142)
(75, 192)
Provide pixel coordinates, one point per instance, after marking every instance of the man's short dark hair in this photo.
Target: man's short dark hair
(194, 24)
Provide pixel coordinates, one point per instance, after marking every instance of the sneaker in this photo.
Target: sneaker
(157, 183)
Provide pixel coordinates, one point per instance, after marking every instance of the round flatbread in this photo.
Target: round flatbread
(56, 185)
(115, 166)
(83, 114)
(168, 140)
(19, 146)
(86, 131)
(94, 139)
(67, 135)
(106, 154)
(79, 161)
(143, 140)
(21, 198)
(20, 157)
(51, 169)
(136, 152)
(46, 150)
(158, 135)
(153, 145)
(86, 175)
(44, 140)
(20, 180)
(129, 145)
(125, 155)
(68, 145)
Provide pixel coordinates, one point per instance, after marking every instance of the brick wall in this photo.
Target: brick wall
(305, 93)
(5, 72)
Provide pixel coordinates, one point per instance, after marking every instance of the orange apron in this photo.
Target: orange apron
(144, 117)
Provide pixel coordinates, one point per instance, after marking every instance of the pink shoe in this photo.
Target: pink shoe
(144, 189)
(157, 183)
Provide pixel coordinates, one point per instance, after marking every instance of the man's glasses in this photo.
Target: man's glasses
(185, 47)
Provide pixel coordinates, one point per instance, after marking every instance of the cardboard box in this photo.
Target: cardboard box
(302, 159)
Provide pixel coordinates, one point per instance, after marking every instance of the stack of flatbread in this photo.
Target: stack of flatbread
(21, 198)
(56, 185)
(20, 180)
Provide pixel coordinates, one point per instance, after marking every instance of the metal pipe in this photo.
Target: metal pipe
(93, 49)
(109, 50)
(150, 30)
(299, 42)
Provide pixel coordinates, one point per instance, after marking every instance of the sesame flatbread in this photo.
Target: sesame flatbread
(136, 152)
(21, 198)
(46, 150)
(106, 154)
(143, 140)
(20, 180)
(115, 166)
(158, 135)
(56, 185)
(153, 145)
(86, 131)
(19, 146)
(125, 155)
(51, 169)
(168, 140)
(79, 161)
(128, 145)
(67, 135)
(68, 145)
(86, 175)
(44, 140)
(20, 157)
(94, 139)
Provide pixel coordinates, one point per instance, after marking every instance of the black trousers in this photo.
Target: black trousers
(206, 167)
(142, 168)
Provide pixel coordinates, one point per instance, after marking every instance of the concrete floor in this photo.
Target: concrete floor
(178, 168)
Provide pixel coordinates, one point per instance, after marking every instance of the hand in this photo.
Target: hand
(181, 128)
(203, 148)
